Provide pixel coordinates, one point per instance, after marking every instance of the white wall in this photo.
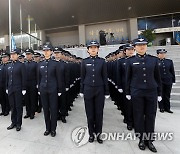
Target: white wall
(118, 28)
(64, 38)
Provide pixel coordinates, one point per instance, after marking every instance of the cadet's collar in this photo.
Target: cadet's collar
(162, 59)
(141, 56)
(14, 61)
(29, 61)
(94, 56)
(47, 60)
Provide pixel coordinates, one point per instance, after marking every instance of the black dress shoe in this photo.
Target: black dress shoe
(39, 111)
(99, 140)
(63, 119)
(69, 109)
(46, 133)
(125, 121)
(162, 110)
(151, 146)
(53, 133)
(1, 113)
(142, 145)
(11, 126)
(169, 111)
(6, 114)
(129, 127)
(91, 139)
(32, 117)
(26, 116)
(18, 128)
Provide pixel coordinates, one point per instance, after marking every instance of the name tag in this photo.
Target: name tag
(135, 63)
(88, 64)
(9, 68)
(42, 67)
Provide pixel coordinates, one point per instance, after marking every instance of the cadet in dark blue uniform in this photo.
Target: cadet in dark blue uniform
(143, 87)
(37, 58)
(3, 96)
(168, 78)
(121, 78)
(50, 87)
(31, 90)
(16, 84)
(94, 87)
(62, 98)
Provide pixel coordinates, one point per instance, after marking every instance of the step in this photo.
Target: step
(177, 77)
(175, 103)
(177, 72)
(176, 89)
(175, 96)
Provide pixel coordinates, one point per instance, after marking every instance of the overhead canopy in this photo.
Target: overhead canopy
(48, 14)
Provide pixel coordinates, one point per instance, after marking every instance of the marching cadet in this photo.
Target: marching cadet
(143, 88)
(94, 88)
(50, 87)
(37, 59)
(121, 78)
(31, 90)
(16, 84)
(3, 96)
(62, 98)
(167, 77)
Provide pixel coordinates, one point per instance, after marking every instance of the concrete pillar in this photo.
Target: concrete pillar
(132, 28)
(41, 36)
(82, 34)
(6, 41)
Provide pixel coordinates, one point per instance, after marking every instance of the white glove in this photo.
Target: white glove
(39, 93)
(120, 90)
(74, 81)
(6, 91)
(107, 96)
(71, 85)
(116, 87)
(159, 98)
(67, 89)
(37, 86)
(59, 94)
(128, 97)
(81, 95)
(174, 84)
(24, 92)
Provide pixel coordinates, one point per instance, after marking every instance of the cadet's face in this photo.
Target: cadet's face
(57, 55)
(129, 52)
(5, 59)
(162, 55)
(14, 56)
(36, 59)
(47, 54)
(141, 48)
(29, 56)
(93, 50)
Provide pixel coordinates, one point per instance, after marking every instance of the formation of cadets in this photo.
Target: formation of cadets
(137, 81)
(30, 80)
(133, 79)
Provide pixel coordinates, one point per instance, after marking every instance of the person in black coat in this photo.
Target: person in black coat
(168, 78)
(143, 88)
(31, 90)
(3, 96)
(49, 87)
(94, 88)
(16, 88)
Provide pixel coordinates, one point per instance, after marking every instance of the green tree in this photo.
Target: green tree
(149, 34)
